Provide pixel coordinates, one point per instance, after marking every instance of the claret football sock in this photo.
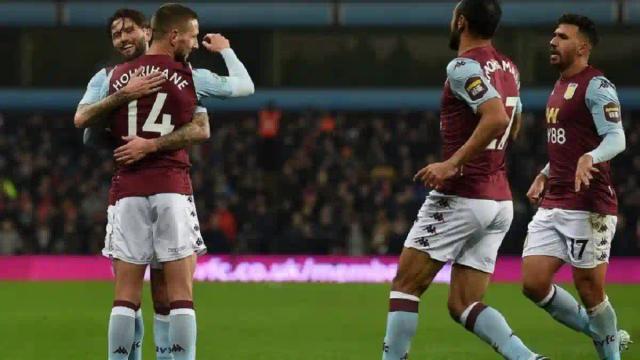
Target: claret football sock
(161, 333)
(121, 329)
(402, 322)
(489, 325)
(604, 331)
(182, 330)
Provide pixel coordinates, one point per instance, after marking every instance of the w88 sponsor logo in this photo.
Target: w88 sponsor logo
(556, 136)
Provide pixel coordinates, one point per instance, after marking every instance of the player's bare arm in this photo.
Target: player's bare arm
(137, 148)
(536, 190)
(584, 172)
(88, 115)
(516, 126)
(493, 122)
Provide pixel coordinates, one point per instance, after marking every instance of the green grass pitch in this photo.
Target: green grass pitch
(284, 321)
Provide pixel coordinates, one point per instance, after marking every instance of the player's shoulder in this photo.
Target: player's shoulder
(462, 67)
(601, 82)
(100, 77)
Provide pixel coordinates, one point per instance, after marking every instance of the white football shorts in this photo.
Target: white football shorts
(162, 227)
(465, 231)
(580, 238)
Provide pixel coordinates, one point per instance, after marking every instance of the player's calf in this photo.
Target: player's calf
(121, 329)
(182, 316)
(415, 272)
(160, 297)
(468, 286)
(603, 323)
(161, 321)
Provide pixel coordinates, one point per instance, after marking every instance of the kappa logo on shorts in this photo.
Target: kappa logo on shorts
(603, 257)
(199, 242)
(444, 203)
(423, 241)
(431, 229)
(438, 217)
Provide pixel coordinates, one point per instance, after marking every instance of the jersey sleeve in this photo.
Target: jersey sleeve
(602, 101)
(96, 89)
(468, 82)
(200, 108)
(210, 84)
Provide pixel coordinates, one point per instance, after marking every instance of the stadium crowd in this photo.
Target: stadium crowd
(273, 182)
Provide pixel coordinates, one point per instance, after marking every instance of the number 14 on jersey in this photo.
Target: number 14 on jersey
(150, 125)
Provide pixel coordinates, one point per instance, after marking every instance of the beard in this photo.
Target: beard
(563, 60)
(454, 39)
(181, 57)
(140, 49)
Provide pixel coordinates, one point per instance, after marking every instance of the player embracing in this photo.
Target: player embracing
(576, 221)
(466, 217)
(153, 214)
(130, 33)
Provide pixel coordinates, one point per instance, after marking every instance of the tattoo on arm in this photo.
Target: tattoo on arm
(194, 132)
(88, 115)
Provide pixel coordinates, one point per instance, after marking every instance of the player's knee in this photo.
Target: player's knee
(591, 292)
(159, 294)
(456, 307)
(407, 284)
(535, 290)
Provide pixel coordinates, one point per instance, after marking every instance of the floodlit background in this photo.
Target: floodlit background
(354, 88)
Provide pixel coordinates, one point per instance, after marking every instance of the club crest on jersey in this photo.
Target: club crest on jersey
(612, 112)
(571, 90)
(475, 87)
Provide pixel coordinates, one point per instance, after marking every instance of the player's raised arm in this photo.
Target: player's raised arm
(191, 133)
(237, 84)
(97, 103)
(602, 101)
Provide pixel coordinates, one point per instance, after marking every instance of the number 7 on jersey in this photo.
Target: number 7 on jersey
(511, 103)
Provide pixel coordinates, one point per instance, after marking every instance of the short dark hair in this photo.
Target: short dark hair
(170, 15)
(136, 16)
(483, 16)
(585, 25)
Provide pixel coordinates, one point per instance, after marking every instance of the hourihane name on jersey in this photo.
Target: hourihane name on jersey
(169, 74)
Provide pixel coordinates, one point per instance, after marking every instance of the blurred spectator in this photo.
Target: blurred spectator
(340, 183)
(10, 241)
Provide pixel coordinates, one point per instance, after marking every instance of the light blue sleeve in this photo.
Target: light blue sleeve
(96, 89)
(613, 143)
(602, 100)
(469, 83)
(209, 84)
